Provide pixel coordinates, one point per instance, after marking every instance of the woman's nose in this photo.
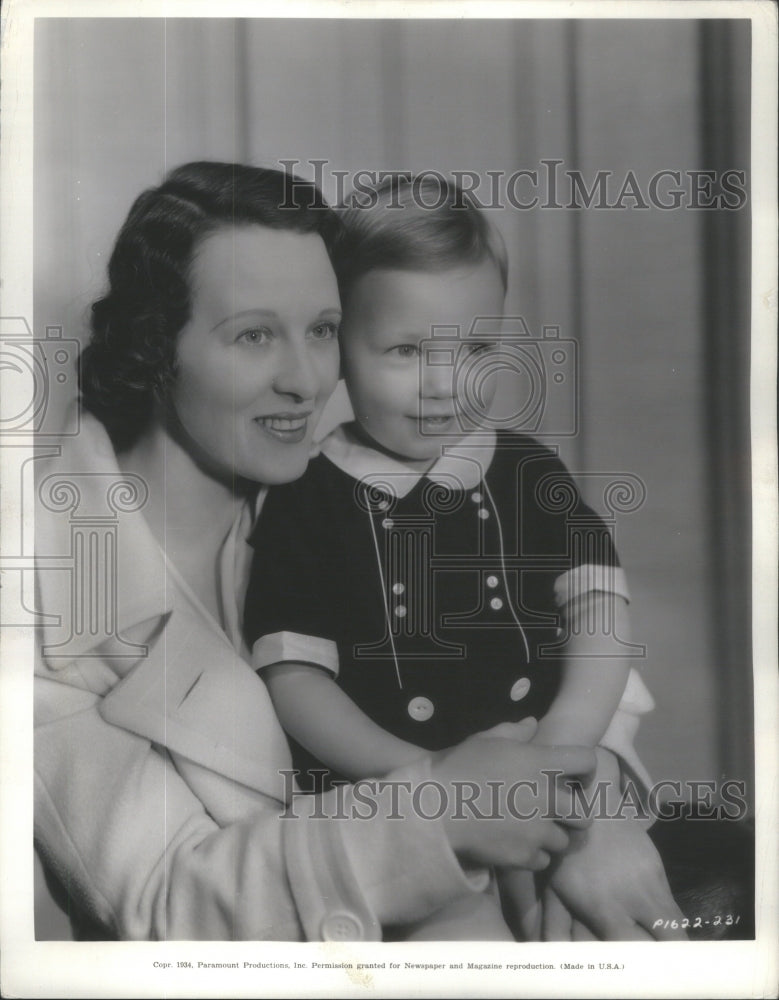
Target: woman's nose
(297, 375)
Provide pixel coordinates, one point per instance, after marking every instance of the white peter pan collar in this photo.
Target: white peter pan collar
(465, 462)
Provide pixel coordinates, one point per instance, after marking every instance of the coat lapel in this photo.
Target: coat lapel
(182, 683)
(194, 695)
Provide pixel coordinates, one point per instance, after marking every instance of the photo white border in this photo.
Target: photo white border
(679, 969)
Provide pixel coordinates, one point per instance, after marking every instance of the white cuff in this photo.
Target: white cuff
(292, 647)
(402, 858)
(621, 733)
(582, 579)
(359, 858)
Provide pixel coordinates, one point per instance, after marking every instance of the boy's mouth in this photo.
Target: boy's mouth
(435, 423)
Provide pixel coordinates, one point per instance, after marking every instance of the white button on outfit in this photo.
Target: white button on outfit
(483, 513)
(398, 588)
(421, 708)
(388, 523)
(342, 927)
(519, 689)
(492, 582)
(476, 497)
(496, 604)
(401, 611)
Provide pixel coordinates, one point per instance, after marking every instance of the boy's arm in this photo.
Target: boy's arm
(323, 719)
(593, 682)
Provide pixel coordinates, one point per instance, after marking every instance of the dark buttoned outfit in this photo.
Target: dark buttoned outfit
(438, 591)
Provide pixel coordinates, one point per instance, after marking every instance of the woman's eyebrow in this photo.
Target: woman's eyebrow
(332, 312)
(246, 313)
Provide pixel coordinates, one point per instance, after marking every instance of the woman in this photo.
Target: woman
(161, 771)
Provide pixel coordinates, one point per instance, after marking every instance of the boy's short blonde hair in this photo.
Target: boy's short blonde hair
(414, 224)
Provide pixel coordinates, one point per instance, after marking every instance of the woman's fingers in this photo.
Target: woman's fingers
(523, 731)
(557, 921)
(572, 762)
(623, 928)
(581, 932)
(540, 861)
(555, 838)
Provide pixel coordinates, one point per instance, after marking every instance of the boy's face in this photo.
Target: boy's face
(409, 407)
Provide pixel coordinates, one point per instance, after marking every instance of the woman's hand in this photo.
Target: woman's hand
(611, 886)
(507, 799)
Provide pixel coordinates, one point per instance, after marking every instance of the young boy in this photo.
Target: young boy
(430, 576)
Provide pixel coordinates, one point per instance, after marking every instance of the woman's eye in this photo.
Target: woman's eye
(406, 350)
(255, 335)
(325, 331)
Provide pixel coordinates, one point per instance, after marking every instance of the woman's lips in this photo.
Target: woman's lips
(289, 428)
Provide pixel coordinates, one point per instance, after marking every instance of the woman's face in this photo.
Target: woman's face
(259, 357)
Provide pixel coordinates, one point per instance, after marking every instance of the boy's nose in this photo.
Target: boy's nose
(438, 381)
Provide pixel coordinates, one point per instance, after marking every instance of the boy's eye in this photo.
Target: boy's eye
(255, 335)
(406, 350)
(325, 331)
(477, 348)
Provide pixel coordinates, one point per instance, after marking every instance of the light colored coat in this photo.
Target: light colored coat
(157, 765)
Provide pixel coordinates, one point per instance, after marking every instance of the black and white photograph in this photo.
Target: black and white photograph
(389, 507)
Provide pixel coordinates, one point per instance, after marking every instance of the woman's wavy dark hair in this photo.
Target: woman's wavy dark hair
(131, 357)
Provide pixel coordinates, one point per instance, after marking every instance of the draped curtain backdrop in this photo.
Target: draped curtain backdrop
(657, 300)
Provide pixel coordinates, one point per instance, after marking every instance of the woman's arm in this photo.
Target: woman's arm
(323, 719)
(593, 682)
(132, 836)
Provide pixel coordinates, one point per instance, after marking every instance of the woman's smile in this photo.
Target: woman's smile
(290, 428)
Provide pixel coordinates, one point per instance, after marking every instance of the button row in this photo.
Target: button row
(496, 603)
(387, 523)
(421, 709)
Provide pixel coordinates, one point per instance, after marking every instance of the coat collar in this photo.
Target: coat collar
(188, 687)
(465, 462)
(88, 509)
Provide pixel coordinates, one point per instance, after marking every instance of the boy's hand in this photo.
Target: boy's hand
(520, 787)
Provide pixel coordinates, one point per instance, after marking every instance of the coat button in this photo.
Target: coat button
(341, 927)
(421, 709)
(383, 504)
(483, 513)
(401, 611)
(492, 582)
(476, 497)
(388, 523)
(496, 604)
(519, 689)
(398, 588)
